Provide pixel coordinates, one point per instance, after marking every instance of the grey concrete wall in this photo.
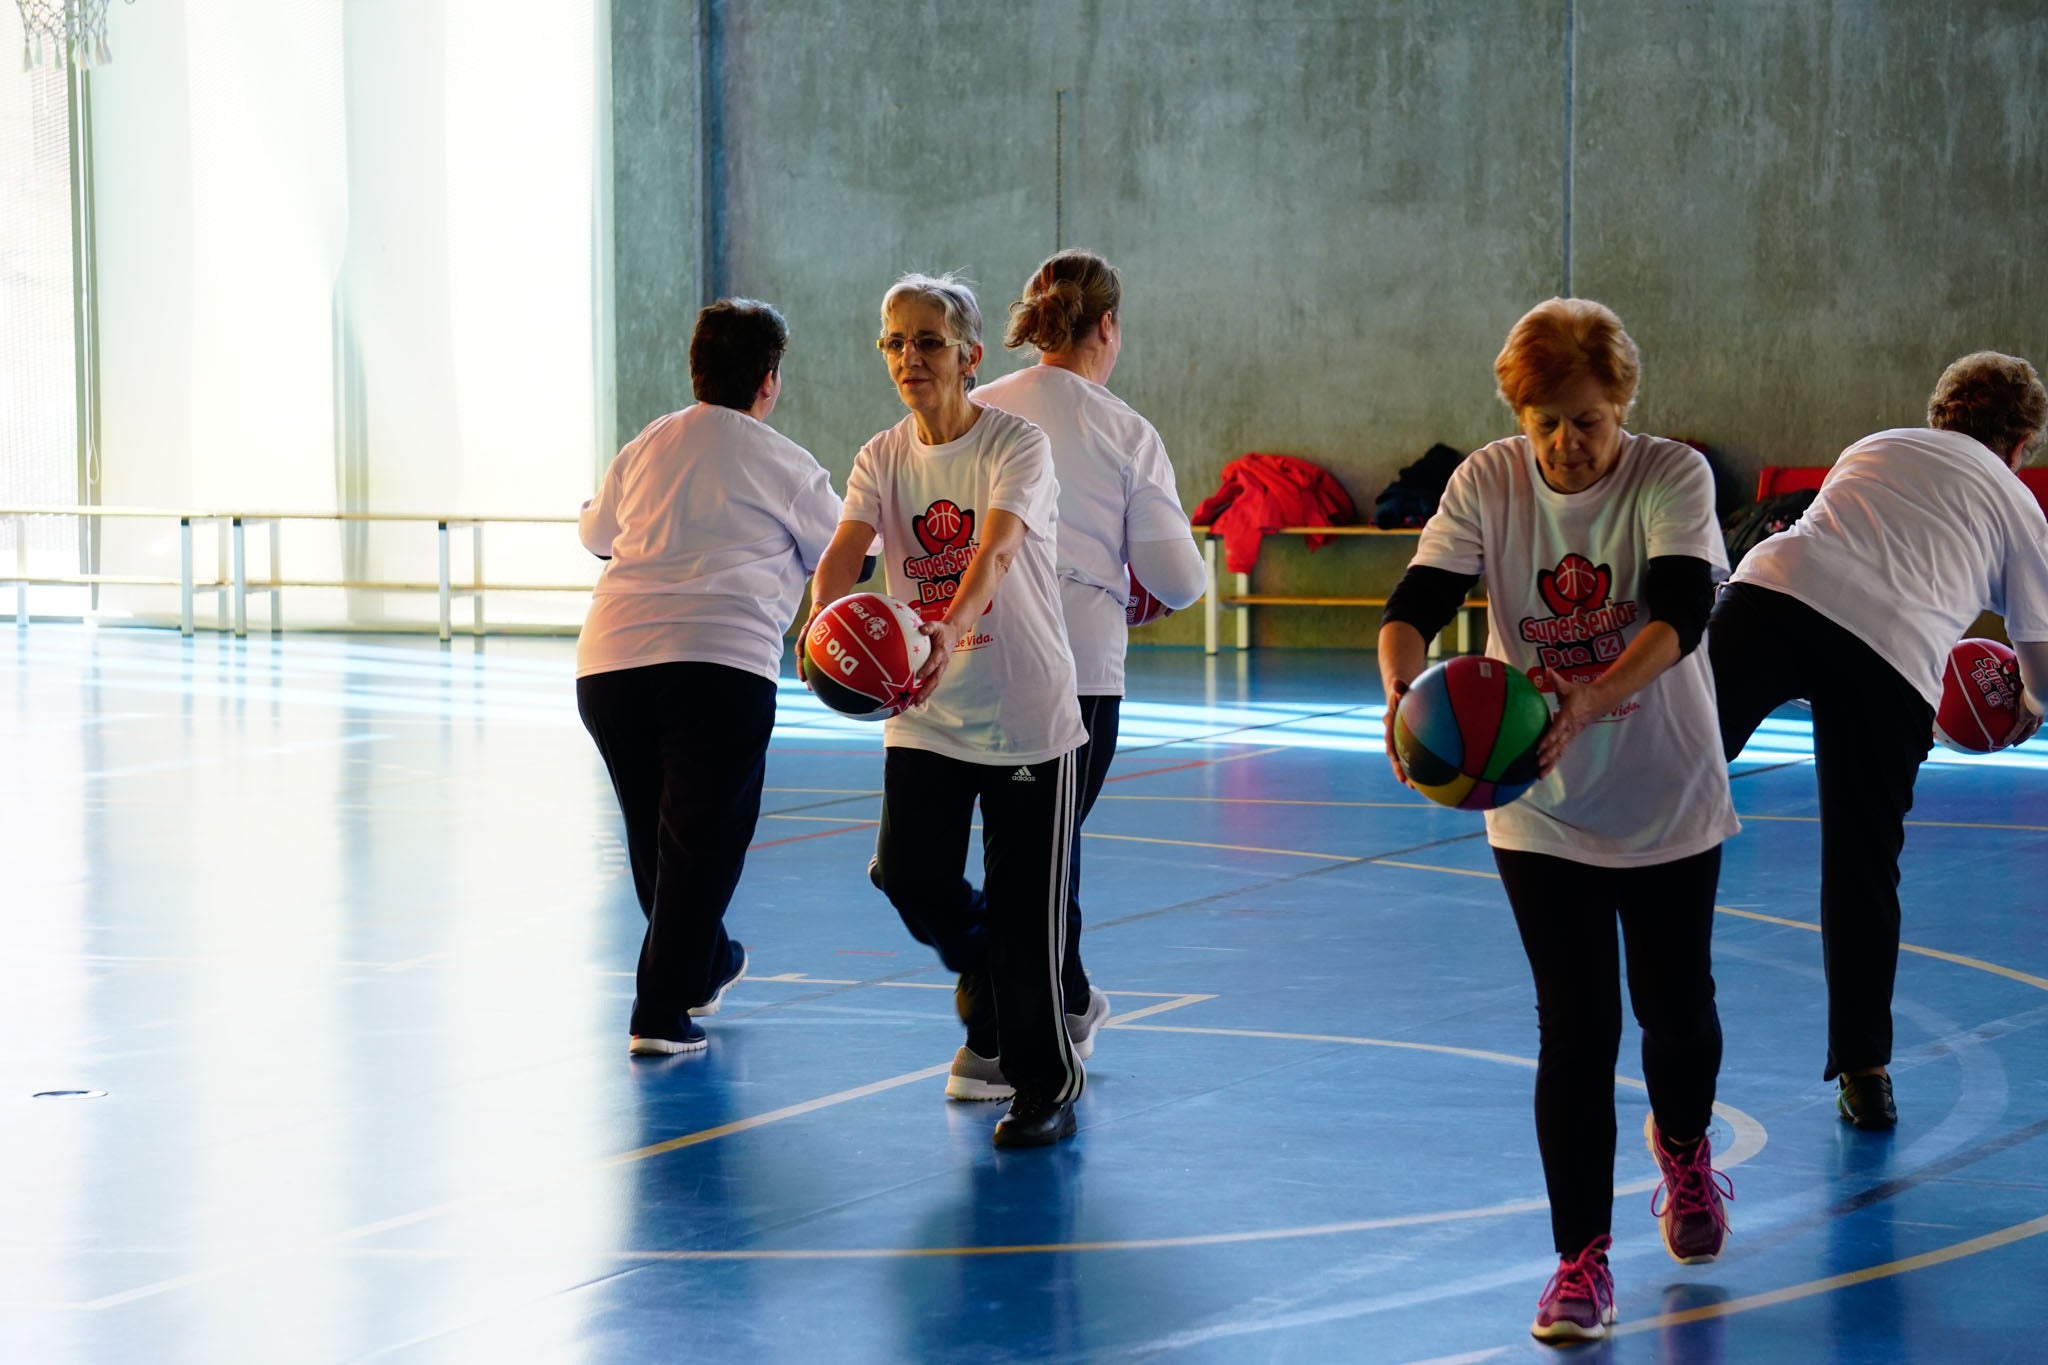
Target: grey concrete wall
(1328, 212)
(657, 209)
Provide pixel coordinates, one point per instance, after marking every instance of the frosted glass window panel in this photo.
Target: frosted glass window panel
(39, 459)
(354, 247)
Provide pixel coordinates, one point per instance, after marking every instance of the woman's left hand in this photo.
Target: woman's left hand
(1578, 705)
(944, 636)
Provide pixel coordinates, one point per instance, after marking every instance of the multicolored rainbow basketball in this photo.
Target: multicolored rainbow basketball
(1466, 732)
(862, 655)
(1980, 697)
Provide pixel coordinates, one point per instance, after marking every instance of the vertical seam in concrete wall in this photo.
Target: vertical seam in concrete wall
(1571, 58)
(1059, 170)
(711, 149)
(603, 253)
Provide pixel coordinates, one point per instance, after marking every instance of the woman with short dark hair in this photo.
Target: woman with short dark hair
(711, 521)
(1598, 548)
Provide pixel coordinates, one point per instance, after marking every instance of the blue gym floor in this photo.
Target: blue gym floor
(341, 929)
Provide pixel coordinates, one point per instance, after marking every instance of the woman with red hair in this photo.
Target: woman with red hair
(1598, 547)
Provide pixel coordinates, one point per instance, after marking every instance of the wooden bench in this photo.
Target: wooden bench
(1243, 599)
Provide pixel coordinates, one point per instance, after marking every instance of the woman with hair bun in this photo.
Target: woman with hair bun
(1598, 548)
(1120, 518)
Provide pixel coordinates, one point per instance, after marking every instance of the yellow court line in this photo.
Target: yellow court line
(1750, 1139)
(1976, 963)
(1433, 867)
(1229, 848)
(800, 979)
(1277, 801)
(1910, 824)
(789, 1111)
(1990, 1241)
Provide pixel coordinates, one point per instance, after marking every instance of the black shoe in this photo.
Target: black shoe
(735, 968)
(1035, 1121)
(1866, 1101)
(974, 1000)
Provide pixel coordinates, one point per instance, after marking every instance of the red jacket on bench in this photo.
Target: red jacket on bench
(1262, 493)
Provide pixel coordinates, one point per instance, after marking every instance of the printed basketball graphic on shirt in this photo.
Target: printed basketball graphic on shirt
(1587, 631)
(1574, 585)
(945, 531)
(943, 526)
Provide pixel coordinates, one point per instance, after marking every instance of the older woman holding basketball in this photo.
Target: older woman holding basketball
(1120, 518)
(966, 504)
(1598, 548)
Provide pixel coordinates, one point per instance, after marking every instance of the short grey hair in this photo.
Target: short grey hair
(953, 294)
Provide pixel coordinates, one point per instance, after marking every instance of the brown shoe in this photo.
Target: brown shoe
(1866, 1101)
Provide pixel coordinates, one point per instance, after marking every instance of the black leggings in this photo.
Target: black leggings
(1871, 731)
(1100, 715)
(691, 795)
(1566, 912)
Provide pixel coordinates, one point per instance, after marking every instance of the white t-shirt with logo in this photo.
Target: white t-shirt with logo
(1913, 534)
(1116, 487)
(1565, 576)
(713, 521)
(1008, 695)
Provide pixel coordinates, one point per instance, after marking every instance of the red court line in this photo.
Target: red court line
(814, 834)
(1153, 772)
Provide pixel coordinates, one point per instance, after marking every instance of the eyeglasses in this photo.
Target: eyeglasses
(924, 343)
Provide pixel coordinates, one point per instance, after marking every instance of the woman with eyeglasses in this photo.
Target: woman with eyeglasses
(966, 504)
(1598, 547)
(1120, 517)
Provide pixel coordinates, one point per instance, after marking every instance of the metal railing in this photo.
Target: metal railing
(231, 581)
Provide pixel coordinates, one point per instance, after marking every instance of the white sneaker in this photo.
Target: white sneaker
(1082, 1028)
(692, 1039)
(975, 1077)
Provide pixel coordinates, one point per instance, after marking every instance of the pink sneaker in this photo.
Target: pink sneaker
(1578, 1303)
(1687, 1202)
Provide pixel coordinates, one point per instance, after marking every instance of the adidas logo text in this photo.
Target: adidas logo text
(1022, 775)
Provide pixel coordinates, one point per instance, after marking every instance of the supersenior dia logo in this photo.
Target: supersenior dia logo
(946, 532)
(1585, 634)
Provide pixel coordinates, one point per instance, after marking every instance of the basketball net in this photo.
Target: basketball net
(57, 32)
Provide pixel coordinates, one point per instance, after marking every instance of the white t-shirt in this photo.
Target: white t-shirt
(1008, 695)
(1565, 576)
(1116, 488)
(1913, 534)
(713, 521)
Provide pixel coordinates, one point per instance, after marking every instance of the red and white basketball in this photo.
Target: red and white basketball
(1143, 608)
(863, 653)
(1980, 697)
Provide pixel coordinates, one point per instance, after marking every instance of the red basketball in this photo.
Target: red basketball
(1143, 608)
(863, 653)
(1980, 697)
